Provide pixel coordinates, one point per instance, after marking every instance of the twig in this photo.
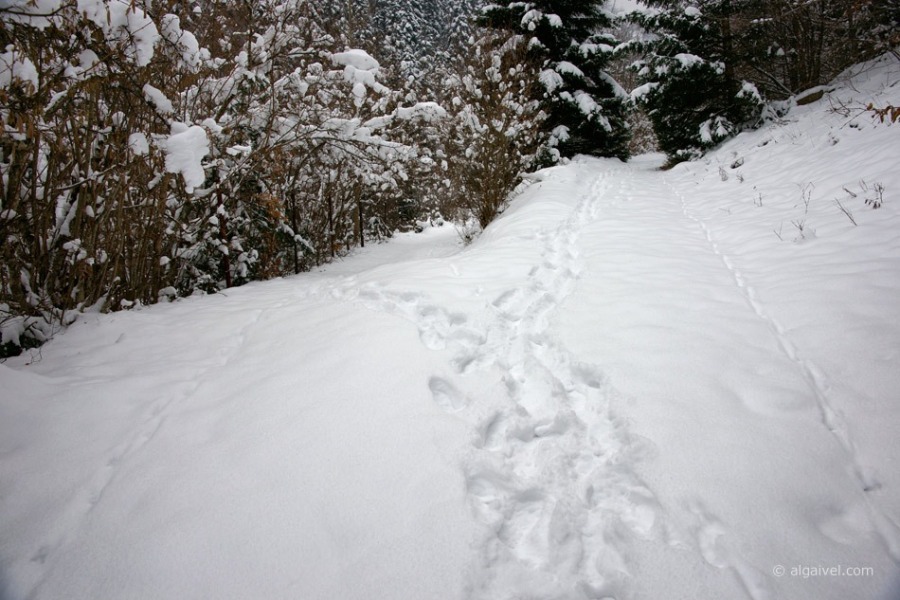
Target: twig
(845, 211)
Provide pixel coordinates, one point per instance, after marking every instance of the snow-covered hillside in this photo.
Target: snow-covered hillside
(636, 384)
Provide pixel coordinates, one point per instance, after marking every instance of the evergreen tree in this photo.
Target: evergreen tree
(417, 41)
(460, 18)
(688, 83)
(587, 109)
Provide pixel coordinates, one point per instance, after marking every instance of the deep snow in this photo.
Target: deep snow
(636, 384)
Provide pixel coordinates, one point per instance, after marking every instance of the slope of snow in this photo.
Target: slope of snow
(635, 384)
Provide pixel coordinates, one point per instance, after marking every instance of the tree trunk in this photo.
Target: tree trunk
(359, 208)
(223, 234)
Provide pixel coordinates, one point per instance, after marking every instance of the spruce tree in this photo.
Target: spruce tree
(688, 83)
(587, 109)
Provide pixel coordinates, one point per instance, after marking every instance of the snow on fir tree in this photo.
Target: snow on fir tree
(586, 107)
(687, 80)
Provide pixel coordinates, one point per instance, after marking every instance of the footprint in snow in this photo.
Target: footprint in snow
(848, 526)
(446, 395)
(712, 539)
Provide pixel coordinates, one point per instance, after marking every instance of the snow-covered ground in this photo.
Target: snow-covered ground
(636, 384)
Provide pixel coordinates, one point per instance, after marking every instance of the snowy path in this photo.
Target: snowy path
(627, 388)
(694, 348)
(547, 475)
(570, 470)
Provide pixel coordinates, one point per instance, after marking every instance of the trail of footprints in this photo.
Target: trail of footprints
(548, 473)
(866, 479)
(85, 500)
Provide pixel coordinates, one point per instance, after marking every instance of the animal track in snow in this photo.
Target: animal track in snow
(866, 479)
(90, 494)
(712, 539)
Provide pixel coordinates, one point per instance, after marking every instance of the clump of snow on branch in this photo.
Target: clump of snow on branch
(567, 68)
(184, 41)
(138, 144)
(185, 150)
(714, 130)
(14, 67)
(124, 24)
(155, 96)
(688, 60)
(551, 80)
